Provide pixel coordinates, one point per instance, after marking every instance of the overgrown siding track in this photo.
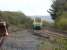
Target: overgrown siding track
(48, 34)
(57, 31)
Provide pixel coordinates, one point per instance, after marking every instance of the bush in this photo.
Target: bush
(16, 18)
(61, 22)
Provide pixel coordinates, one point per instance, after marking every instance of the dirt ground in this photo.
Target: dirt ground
(21, 40)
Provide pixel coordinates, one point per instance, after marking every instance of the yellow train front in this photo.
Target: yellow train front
(37, 24)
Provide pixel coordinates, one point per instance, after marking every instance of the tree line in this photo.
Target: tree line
(58, 12)
(18, 19)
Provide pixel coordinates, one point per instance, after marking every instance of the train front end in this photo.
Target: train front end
(37, 24)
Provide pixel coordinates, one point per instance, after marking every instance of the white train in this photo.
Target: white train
(37, 24)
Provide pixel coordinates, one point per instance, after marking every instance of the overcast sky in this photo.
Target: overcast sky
(28, 7)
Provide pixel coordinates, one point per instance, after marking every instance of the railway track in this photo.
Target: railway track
(48, 34)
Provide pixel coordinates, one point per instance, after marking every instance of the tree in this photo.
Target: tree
(58, 12)
(56, 8)
(16, 19)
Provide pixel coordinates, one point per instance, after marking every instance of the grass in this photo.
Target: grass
(59, 43)
(62, 43)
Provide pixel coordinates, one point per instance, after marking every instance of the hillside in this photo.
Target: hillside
(16, 19)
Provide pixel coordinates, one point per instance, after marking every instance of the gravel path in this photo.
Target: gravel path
(21, 40)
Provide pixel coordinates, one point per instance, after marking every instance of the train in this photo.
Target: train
(37, 24)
